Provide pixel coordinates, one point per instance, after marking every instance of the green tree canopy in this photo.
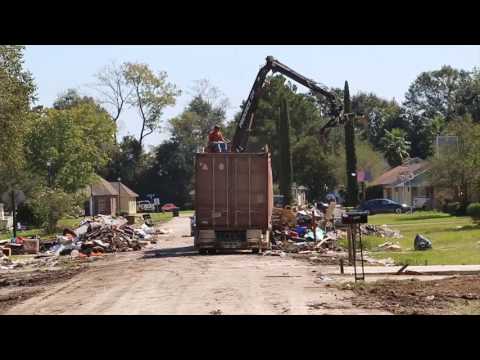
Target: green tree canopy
(151, 94)
(76, 142)
(395, 146)
(458, 169)
(192, 126)
(17, 92)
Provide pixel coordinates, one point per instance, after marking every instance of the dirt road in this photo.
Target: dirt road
(174, 279)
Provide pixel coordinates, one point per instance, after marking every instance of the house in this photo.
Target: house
(111, 198)
(407, 184)
(128, 198)
(6, 222)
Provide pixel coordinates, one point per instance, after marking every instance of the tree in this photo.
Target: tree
(376, 116)
(395, 146)
(458, 169)
(313, 168)
(351, 163)
(129, 162)
(171, 173)
(437, 93)
(69, 146)
(49, 205)
(209, 93)
(113, 87)
(71, 98)
(17, 92)
(286, 176)
(193, 125)
(368, 159)
(151, 93)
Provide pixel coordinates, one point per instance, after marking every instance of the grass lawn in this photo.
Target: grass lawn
(455, 240)
(159, 218)
(62, 224)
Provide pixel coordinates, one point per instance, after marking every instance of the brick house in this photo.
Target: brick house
(407, 184)
(110, 198)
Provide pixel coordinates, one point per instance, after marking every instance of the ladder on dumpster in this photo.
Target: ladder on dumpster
(357, 252)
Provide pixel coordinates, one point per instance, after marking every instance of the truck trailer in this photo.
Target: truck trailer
(233, 201)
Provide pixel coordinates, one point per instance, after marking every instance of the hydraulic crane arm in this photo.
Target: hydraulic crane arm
(245, 124)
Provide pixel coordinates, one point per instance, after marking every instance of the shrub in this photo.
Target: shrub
(51, 205)
(452, 208)
(473, 210)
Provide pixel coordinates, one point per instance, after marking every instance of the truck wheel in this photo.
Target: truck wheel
(212, 251)
(202, 251)
(255, 251)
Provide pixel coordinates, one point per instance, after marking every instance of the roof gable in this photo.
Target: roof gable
(123, 189)
(103, 188)
(394, 175)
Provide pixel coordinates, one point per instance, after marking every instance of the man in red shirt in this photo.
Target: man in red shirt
(216, 141)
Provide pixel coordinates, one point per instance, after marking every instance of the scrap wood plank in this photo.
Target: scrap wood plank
(402, 269)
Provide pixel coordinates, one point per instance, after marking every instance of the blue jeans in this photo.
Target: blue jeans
(219, 147)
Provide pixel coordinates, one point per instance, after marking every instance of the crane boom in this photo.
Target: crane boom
(245, 124)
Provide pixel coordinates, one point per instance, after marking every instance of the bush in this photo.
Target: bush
(51, 205)
(473, 210)
(453, 208)
(26, 215)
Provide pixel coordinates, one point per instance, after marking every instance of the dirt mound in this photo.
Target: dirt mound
(419, 297)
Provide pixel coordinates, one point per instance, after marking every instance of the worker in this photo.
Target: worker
(216, 141)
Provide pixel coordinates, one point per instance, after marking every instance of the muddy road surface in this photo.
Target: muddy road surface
(174, 279)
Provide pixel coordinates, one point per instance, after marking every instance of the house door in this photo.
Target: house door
(101, 206)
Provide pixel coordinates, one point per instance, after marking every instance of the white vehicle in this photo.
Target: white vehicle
(145, 205)
(422, 202)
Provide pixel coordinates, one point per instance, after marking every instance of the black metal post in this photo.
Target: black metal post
(14, 213)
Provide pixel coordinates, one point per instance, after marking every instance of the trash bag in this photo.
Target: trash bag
(422, 243)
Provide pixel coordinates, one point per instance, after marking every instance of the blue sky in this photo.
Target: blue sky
(384, 70)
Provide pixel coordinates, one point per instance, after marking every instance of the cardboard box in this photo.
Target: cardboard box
(31, 246)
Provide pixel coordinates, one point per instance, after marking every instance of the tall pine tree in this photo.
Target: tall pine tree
(285, 176)
(351, 157)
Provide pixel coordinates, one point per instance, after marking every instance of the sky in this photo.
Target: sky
(384, 70)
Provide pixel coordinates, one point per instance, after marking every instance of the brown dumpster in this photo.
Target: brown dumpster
(233, 200)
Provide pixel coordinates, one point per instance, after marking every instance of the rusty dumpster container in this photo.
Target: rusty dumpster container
(233, 201)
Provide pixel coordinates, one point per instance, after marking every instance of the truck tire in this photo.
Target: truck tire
(212, 251)
(202, 251)
(255, 251)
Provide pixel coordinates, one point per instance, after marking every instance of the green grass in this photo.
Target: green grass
(159, 218)
(455, 240)
(62, 224)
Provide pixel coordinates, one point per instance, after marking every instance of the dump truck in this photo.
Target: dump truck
(234, 189)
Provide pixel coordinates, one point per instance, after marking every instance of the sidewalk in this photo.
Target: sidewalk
(423, 270)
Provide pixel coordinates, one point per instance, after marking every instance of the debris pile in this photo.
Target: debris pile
(92, 238)
(302, 231)
(101, 235)
(380, 231)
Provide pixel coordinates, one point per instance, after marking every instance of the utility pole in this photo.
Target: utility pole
(350, 155)
(285, 178)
